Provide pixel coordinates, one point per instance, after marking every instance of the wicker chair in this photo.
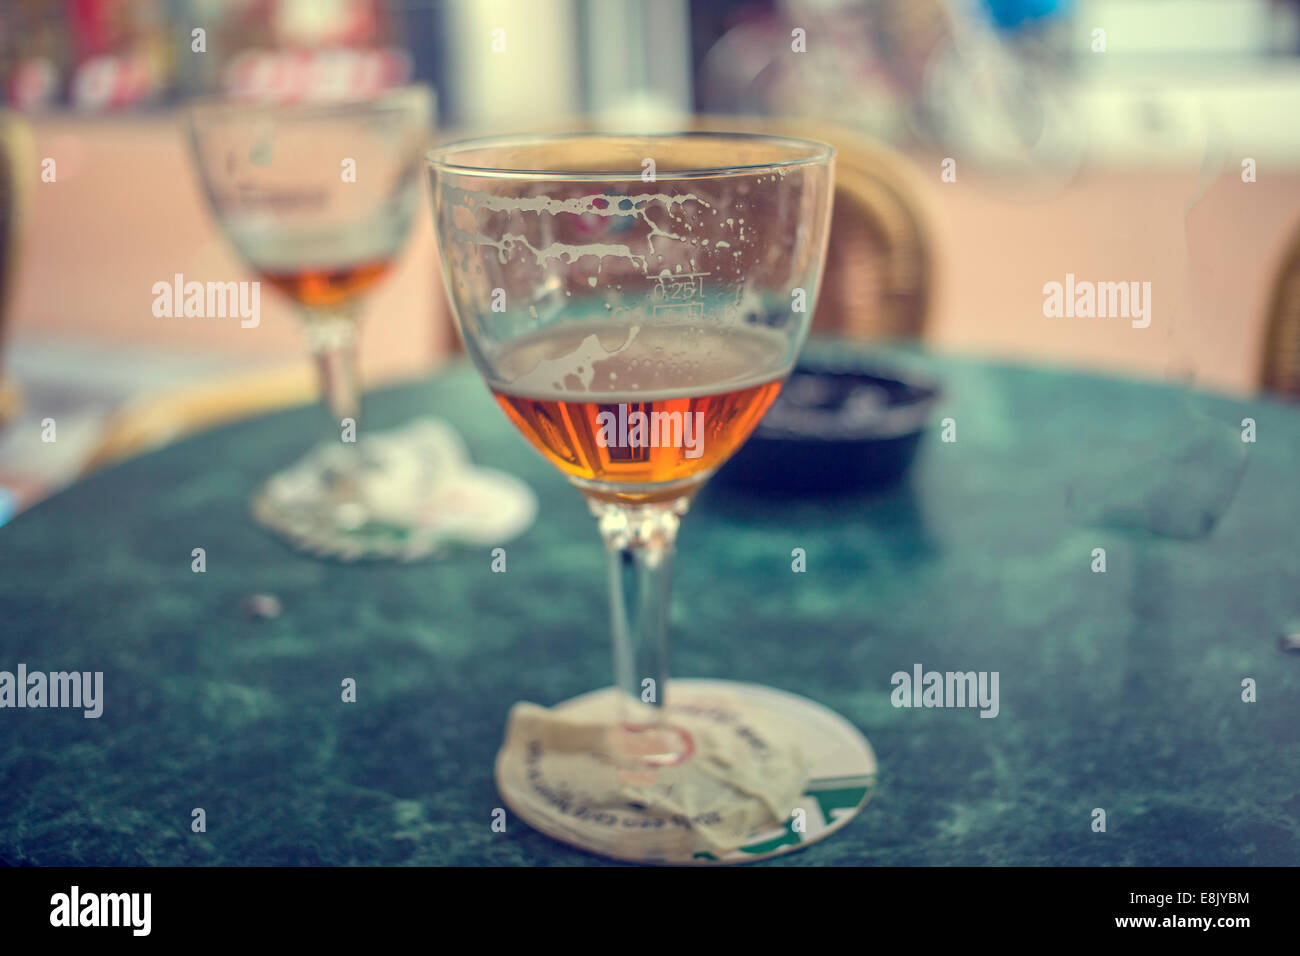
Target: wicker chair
(17, 170)
(879, 268)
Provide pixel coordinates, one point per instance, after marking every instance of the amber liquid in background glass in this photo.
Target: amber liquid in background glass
(321, 288)
(726, 380)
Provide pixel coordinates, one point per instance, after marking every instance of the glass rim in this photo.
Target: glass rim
(393, 98)
(439, 157)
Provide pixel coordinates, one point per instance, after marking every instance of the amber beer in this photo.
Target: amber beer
(321, 288)
(701, 393)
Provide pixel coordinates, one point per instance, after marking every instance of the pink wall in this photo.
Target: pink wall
(1212, 270)
(126, 212)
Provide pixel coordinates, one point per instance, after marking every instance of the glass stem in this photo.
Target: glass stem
(333, 338)
(639, 540)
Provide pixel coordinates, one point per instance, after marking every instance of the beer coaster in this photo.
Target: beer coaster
(838, 770)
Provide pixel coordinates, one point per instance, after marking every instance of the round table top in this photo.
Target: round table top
(1156, 690)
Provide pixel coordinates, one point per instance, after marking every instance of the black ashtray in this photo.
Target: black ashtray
(843, 422)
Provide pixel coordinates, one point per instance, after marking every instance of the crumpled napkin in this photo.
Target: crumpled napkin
(419, 492)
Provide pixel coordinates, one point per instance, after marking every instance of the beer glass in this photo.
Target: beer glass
(318, 198)
(634, 303)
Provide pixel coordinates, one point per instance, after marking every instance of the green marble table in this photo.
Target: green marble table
(1119, 690)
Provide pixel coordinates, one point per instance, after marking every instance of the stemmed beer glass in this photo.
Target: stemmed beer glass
(318, 199)
(634, 304)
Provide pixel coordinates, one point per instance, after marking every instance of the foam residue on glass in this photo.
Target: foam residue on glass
(608, 266)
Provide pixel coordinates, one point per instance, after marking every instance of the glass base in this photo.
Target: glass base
(648, 746)
(557, 792)
(399, 495)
